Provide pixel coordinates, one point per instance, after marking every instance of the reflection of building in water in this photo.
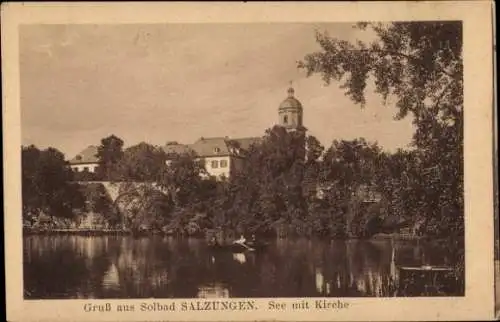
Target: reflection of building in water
(319, 280)
(126, 260)
(213, 291)
(393, 270)
(159, 279)
(240, 258)
(361, 285)
(111, 279)
(88, 247)
(323, 287)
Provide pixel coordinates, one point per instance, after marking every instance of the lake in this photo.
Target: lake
(115, 267)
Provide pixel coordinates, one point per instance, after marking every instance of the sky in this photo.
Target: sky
(179, 82)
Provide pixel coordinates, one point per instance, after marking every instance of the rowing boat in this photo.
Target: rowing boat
(239, 247)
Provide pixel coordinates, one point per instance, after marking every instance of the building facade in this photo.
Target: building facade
(222, 155)
(85, 161)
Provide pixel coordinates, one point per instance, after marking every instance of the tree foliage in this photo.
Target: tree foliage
(142, 162)
(98, 201)
(351, 163)
(182, 178)
(46, 184)
(267, 194)
(109, 153)
(420, 66)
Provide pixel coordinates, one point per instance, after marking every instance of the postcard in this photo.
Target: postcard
(291, 161)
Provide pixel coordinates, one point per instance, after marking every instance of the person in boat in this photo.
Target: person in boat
(253, 240)
(240, 241)
(213, 241)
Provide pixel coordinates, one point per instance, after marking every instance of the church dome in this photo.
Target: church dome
(290, 102)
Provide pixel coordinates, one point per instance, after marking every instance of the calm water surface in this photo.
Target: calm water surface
(59, 267)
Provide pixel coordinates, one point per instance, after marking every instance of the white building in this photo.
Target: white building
(85, 161)
(220, 155)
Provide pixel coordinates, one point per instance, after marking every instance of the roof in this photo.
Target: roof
(88, 155)
(176, 148)
(211, 147)
(246, 143)
(216, 146)
(290, 102)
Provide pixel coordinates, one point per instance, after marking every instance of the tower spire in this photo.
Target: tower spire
(291, 91)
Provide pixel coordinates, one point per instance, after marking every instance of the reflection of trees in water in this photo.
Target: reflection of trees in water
(62, 267)
(368, 267)
(156, 267)
(121, 267)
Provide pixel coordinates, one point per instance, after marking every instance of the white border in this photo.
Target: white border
(477, 17)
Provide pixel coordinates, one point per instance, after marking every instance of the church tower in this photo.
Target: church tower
(291, 118)
(290, 113)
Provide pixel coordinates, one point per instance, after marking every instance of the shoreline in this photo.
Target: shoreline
(121, 232)
(86, 232)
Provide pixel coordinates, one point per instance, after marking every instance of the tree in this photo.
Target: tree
(143, 206)
(351, 163)
(349, 167)
(142, 162)
(420, 65)
(98, 201)
(182, 178)
(314, 151)
(268, 190)
(46, 184)
(110, 152)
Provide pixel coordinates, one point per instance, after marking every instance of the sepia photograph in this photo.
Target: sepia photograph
(158, 163)
(243, 160)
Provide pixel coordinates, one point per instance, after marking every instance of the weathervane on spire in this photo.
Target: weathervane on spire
(290, 89)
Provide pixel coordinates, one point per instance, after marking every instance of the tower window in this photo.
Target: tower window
(285, 119)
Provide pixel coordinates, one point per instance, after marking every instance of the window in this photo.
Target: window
(285, 119)
(216, 150)
(75, 169)
(223, 163)
(86, 169)
(215, 164)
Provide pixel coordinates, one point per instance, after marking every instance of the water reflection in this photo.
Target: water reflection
(213, 291)
(111, 279)
(240, 258)
(126, 267)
